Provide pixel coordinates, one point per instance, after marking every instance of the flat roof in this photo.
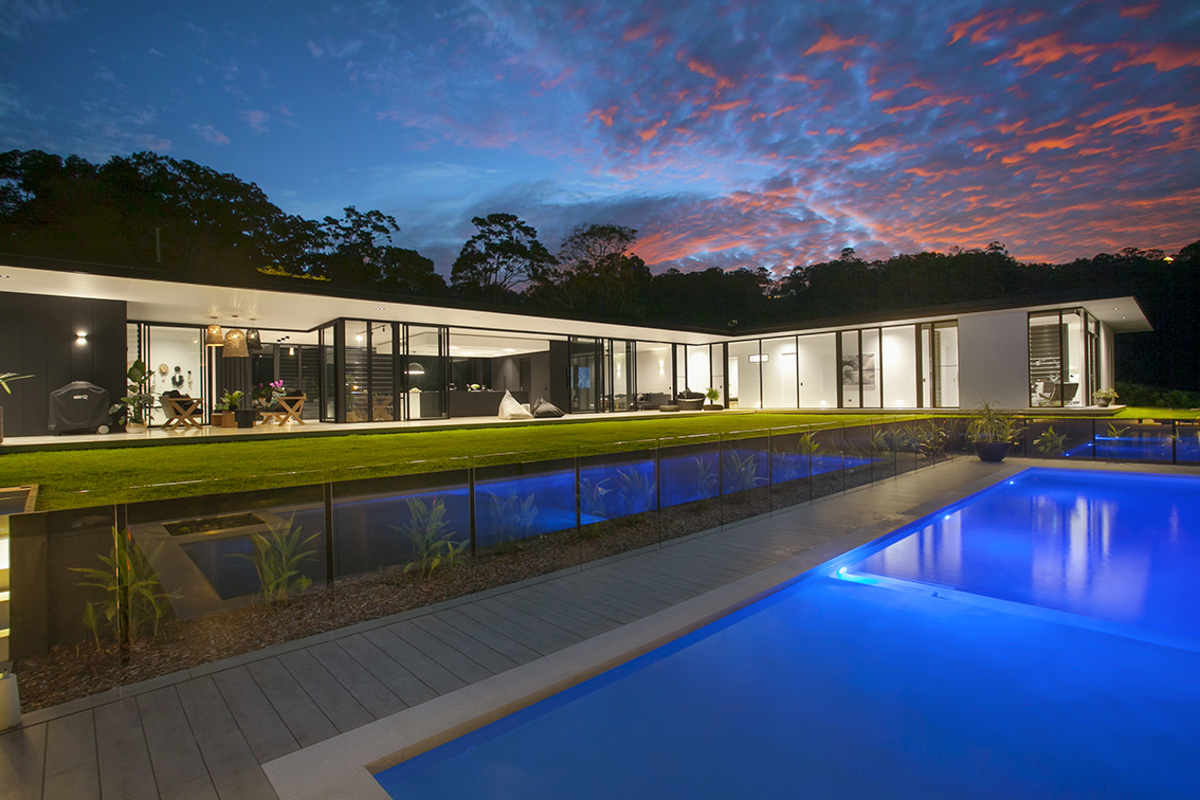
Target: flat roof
(172, 302)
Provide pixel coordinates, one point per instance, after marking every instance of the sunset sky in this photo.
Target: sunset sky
(770, 133)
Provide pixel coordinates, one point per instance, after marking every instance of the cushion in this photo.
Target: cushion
(511, 409)
(543, 408)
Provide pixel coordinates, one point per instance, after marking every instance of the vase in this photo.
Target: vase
(1103, 402)
(135, 427)
(991, 452)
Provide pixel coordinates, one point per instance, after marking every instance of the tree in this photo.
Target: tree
(503, 256)
(596, 276)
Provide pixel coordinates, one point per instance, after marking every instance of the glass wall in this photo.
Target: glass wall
(357, 383)
(175, 359)
(622, 375)
(778, 369)
(699, 367)
(744, 374)
(587, 385)
(653, 361)
(945, 365)
(1058, 359)
(900, 367)
(817, 370)
(328, 374)
(425, 356)
(870, 373)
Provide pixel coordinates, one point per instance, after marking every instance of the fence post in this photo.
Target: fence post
(329, 549)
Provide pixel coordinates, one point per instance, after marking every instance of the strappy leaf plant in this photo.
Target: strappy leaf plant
(741, 472)
(432, 540)
(277, 558)
(511, 520)
(1050, 443)
(134, 598)
(636, 490)
(591, 497)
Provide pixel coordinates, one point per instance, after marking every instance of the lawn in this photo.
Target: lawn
(76, 478)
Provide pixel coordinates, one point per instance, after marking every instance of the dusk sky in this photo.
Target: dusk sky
(729, 134)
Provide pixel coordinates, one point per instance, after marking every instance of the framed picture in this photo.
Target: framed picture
(859, 366)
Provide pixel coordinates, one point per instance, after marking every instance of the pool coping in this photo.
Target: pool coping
(344, 766)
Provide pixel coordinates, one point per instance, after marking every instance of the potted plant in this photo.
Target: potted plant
(133, 410)
(4, 379)
(712, 395)
(244, 416)
(1104, 396)
(992, 433)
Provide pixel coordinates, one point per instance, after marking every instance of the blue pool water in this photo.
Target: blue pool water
(901, 670)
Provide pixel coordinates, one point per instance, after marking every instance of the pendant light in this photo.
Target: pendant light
(253, 339)
(213, 336)
(235, 343)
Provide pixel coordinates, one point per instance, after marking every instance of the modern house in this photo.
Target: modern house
(369, 359)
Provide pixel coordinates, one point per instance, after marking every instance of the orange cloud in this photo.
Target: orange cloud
(875, 146)
(649, 133)
(1048, 50)
(831, 42)
(604, 115)
(633, 34)
(1139, 12)
(1164, 57)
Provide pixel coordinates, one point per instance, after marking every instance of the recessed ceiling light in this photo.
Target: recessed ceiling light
(509, 350)
(3, 276)
(381, 308)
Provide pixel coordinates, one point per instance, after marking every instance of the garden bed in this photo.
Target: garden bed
(71, 672)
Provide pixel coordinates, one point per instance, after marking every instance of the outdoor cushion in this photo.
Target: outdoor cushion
(511, 409)
(543, 408)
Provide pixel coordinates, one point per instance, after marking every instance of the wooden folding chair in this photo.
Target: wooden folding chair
(289, 409)
(182, 412)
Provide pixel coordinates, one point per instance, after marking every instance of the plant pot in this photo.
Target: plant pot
(713, 407)
(1103, 403)
(245, 417)
(992, 452)
(223, 419)
(135, 427)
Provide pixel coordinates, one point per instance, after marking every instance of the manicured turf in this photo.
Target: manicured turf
(77, 478)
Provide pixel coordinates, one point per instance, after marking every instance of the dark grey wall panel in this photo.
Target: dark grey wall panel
(38, 337)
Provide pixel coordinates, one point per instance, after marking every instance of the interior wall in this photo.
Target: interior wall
(38, 337)
(506, 374)
(539, 373)
(993, 359)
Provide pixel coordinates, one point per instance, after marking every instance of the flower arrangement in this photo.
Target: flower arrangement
(1108, 394)
(267, 394)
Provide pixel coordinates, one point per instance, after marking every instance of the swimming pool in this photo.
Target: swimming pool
(1035, 640)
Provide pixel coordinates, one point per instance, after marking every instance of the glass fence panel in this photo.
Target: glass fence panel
(618, 503)
(745, 478)
(1135, 440)
(689, 482)
(828, 461)
(791, 466)
(417, 525)
(1187, 442)
(1050, 438)
(526, 519)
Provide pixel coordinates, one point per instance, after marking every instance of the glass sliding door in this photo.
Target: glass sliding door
(1058, 364)
(383, 343)
(329, 394)
(899, 369)
(744, 374)
(850, 366)
(653, 374)
(699, 367)
(424, 357)
(817, 370)
(945, 364)
(780, 385)
(623, 380)
(587, 384)
(357, 381)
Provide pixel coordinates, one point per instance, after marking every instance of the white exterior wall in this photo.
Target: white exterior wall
(1107, 373)
(993, 359)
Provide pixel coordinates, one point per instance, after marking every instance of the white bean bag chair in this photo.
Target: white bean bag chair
(511, 409)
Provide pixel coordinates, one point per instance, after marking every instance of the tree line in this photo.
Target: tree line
(185, 220)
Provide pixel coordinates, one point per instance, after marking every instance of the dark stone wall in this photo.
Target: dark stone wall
(38, 337)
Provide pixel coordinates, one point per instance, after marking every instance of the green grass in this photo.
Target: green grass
(1133, 412)
(78, 478)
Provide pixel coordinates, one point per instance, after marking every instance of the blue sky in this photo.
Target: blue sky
(731, 134)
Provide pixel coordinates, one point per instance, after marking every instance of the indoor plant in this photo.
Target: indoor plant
(992, 432)
(712, 395)
(1104, 396)
(133, 410)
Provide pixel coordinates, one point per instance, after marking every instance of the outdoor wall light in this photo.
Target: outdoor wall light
(81, 337)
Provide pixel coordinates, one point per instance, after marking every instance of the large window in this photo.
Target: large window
(1058, 359)
(818, 372)
(939, 364)
(744, 375)
(900, 367)
(778, 368)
